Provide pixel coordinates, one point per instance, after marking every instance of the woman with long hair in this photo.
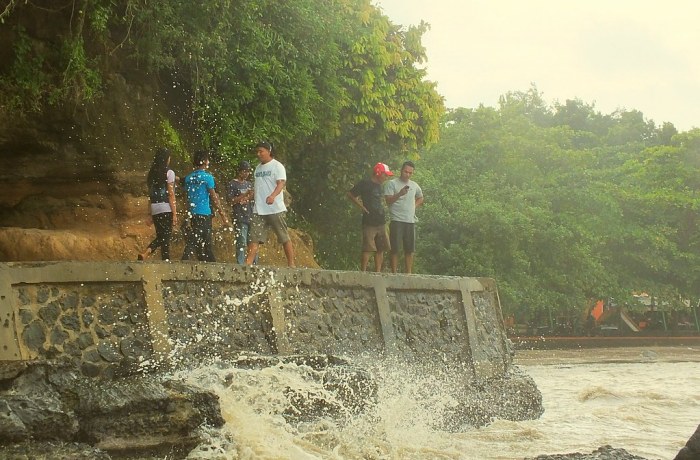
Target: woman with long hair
(161, 192)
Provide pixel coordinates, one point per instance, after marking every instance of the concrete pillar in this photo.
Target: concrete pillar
(279, 322)
(384, 314)
(9, 323)
(155, 312)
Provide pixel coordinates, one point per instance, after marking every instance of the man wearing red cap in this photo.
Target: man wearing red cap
(369, 197)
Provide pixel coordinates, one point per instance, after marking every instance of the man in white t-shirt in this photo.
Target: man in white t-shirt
(403, 196)
(268, 213)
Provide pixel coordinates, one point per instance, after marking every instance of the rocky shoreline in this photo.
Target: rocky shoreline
(79, 451)
(49, 410)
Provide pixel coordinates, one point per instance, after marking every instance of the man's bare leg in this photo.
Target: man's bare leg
(364, 260)
(289, 252)
(252, 252)
(394, 262)
(378, 261)
(408, 257)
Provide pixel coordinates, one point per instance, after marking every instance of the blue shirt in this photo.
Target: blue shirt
(197, 184)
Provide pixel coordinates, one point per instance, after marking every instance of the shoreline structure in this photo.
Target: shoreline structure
(118, 314)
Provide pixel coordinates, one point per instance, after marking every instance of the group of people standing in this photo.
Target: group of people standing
(256, 207)
(402, 196)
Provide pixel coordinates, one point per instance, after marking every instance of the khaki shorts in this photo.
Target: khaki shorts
(260, 224)
(375, 239)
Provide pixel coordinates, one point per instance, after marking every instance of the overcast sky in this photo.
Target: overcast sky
(629, 54)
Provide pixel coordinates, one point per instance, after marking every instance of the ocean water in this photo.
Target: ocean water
(646, 400)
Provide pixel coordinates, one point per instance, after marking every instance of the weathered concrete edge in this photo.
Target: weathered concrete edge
(36, 272)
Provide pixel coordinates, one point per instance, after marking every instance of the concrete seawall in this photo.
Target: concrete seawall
(110, 318)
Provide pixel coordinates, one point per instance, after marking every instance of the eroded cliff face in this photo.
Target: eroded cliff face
(72, 181)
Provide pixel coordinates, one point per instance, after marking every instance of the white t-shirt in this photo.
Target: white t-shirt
(403, 209)
(159, 208)
(266, 177)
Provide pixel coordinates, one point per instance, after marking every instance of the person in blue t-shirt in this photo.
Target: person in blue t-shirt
(201, 195)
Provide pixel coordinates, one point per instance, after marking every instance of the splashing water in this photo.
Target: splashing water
(648, 408)
(399, 424)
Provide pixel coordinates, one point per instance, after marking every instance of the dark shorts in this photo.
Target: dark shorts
(260, 224)
(402, 234)
(375, 239)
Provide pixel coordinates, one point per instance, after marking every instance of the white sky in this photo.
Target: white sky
(628, 54)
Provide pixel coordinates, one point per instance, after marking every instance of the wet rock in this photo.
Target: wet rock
(58, 336)
(11, 424)
(71, 321)
(70, 302)
(51, 451)
(341, 389)
(691, 450)
(85, 340)
(34, 335)
(50, 313)
(53, 401)
(316, 362)
(26, 316)
(108, 314)
(344, 391)
(514, 397)
(88, 317)
(602, 453)
(109, 351)
(353, 387)
(42, 295)
(308, 405)
(91, 369)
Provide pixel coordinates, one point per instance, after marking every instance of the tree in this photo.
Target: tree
(513, 193)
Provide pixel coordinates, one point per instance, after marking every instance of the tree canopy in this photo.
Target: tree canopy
(333, 84)
(562, 204)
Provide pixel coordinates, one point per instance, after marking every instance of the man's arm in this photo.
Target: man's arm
(357, 202)
(171, 200)
(419, 196)
(391, 199)
(214, 197)
(240, 198)
(278, 189)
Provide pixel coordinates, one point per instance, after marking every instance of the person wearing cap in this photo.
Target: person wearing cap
(269, 208)
(239, 195)
(403, 196)
(367, 196)
(202, 199)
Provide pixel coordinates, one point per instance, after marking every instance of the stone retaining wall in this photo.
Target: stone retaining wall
(113, 318)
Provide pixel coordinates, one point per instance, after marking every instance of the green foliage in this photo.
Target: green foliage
(54, 74)
(81, 80)
(248, 69)
(561, 205)
(23, 87)
(170, 138)
(332, 83)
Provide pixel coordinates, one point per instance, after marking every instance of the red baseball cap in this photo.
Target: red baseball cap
(381, 168)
